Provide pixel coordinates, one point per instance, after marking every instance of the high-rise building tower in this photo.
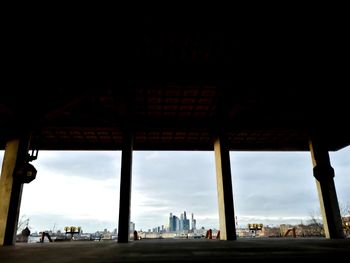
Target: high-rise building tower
(171, 222)
(186, 223)
(181, 222)
(193, 223)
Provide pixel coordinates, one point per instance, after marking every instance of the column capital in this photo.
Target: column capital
(323, 172)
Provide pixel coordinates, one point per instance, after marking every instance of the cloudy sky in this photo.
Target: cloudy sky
(82, 188)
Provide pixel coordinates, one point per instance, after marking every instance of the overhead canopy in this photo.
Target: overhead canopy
(267, 85)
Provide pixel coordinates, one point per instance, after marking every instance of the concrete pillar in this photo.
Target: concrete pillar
(11, 190)
(324, 173)
(125, 189)
(224, 187)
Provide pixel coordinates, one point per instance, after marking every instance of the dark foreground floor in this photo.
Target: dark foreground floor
(250, 250)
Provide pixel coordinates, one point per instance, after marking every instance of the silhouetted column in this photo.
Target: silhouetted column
(224, 187)
(324, 173)
(11, 190)
(125, 189)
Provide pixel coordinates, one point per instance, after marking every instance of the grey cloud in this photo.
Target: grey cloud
(96, 165)
(273, 183)
(176, 172)
(153, 203)
(265, 183)
(275, 205)
(340, 161)
(181, 180)
(281, 165)
(337, 160)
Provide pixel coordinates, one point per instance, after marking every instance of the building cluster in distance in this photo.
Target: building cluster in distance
(177, 227)
(181, 224)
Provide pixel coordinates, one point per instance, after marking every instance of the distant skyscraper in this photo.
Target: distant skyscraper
(174, 223)
(179, 224)
(193, 223)
(171, 222)
(185, 223)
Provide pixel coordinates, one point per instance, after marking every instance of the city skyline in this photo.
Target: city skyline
(82, 188)
(181, 223)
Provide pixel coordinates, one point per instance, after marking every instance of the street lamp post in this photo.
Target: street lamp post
(72, 230)
(254, 228)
